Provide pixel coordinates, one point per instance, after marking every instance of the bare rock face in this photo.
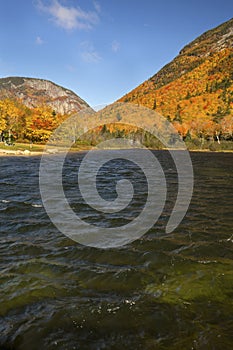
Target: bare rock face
(33, 92)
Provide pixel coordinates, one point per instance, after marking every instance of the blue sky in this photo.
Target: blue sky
(100, 49)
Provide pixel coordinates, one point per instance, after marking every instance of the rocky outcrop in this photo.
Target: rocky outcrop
(33, 92)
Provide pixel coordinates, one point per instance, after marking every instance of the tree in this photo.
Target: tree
(154, 104)
(226, 126)
(12, 116)
(2, 122)
(40, 124)
(118, 116)
(178, 115)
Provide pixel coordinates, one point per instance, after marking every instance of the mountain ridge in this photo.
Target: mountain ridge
(195, 89)
(35, 91)
(31, 108)
(187, 49)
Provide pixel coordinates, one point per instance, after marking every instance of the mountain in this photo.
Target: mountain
(34, 92)
(30, 109)
(195, 90)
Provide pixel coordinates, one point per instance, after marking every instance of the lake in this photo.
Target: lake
(162, 291)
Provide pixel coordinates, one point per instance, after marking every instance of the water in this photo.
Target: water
(160, 292)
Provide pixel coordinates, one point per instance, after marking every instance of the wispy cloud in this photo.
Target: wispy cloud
(89, 54)
(39, 41)
(70, 17)
(115, 46)
(70, 68)
(97, 6)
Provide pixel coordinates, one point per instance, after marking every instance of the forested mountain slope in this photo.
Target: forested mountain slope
(195, 90)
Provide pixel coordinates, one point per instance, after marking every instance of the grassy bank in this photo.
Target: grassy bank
(224, 146)
(214, 146)
(22, 147)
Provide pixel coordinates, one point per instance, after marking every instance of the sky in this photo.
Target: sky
(100, 49)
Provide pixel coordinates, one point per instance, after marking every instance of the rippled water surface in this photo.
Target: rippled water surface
(160, 292)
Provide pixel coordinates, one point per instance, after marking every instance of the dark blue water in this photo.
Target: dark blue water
(160, 292)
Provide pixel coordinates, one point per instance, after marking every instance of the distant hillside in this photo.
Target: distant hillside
(195, 90)
(34, 92)
(30, 109)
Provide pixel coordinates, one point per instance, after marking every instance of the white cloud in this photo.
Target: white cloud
(97, 6)
(70, 68)
(39, 41)
(90, 57)
(69, 17)
(115, 46)
(89, 54)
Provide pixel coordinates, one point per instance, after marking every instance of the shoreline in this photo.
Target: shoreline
(17, 153)
(26, 153)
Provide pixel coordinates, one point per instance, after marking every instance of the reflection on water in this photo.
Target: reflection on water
(160, 292)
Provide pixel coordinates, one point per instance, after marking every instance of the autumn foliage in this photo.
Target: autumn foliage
(199, 102)
(195, 90)
(32, 124)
